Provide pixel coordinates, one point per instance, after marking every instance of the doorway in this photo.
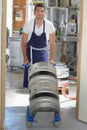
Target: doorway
(3, 91)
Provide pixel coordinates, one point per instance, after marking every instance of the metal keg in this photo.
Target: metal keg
(43, 88)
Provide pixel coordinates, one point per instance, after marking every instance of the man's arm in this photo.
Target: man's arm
(52, 46)
(24, 41)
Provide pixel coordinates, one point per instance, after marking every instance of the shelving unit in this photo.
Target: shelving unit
(72, 39)
(16, 57)
(69, 31)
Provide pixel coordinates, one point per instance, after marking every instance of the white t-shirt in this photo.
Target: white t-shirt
(28, 28)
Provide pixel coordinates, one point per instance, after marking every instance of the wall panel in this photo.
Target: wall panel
(19, 14)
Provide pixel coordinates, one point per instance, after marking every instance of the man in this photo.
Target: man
(36, 33)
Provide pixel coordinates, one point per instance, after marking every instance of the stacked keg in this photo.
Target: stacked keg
(43, 88)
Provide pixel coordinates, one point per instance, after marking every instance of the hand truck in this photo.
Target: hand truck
(29, 116)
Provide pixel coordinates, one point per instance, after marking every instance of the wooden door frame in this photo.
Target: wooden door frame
(3, 64)
(0, 58)
(79, 57)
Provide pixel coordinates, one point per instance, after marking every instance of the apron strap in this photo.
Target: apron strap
(43, 26)
(34, 26)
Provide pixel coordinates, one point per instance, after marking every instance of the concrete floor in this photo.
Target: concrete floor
(17, 101)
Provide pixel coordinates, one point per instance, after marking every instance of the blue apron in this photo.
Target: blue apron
(40, 55)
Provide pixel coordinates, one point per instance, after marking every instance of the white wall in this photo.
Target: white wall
(9, 15)
(83, 75)
(29, 13)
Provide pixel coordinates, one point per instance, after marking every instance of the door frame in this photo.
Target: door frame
(3, 8)
(79, 58)
(3, 5)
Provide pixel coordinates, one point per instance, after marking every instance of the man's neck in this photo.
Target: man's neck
(39, 22)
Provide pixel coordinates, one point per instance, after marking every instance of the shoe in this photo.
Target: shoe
(25, 90)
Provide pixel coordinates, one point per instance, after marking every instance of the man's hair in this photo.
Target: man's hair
(39, 5)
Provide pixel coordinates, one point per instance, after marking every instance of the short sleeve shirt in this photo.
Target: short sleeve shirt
(29, 25)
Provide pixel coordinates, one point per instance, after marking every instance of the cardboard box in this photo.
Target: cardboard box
(64, 3)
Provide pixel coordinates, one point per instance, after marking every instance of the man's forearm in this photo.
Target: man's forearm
(52, 51)
(24, 41)
(24, 53)
(52, 47)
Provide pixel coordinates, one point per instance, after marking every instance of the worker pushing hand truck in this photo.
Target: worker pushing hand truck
(43, 94)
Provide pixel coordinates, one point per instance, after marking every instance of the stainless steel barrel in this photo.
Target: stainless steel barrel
(43, 88)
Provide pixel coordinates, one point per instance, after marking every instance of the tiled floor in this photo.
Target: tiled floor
(17, 101)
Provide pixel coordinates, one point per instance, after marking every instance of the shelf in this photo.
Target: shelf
(73, 7)
(37, 1)
(72, 38)
(69, 38)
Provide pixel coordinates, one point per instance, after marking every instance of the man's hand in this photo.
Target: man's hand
(51, 61)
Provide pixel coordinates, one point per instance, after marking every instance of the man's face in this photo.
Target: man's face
(39, 13)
